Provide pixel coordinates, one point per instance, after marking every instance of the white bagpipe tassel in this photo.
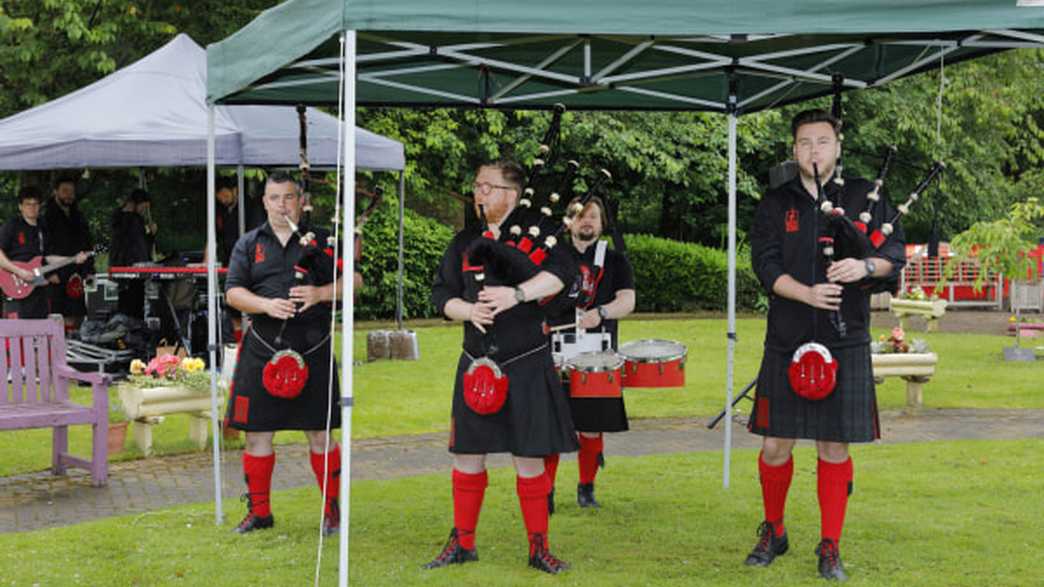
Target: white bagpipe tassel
(827, 206)
(554, 197)
(538, 162)
(838, 212)
(904, 208)
(534, 231)
(515, 230)
(567, 221)
(331, 241)
(873, 196)
(525, 203)
(551, 241)
(887, 228)
(865, 217)
(529, 193)
(546, 211)
(914, 196)
(828, 251)
(576, 209)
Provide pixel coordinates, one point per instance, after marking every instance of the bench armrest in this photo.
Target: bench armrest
(92, 378)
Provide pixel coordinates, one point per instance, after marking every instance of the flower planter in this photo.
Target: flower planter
(147, 406)
(914, 368)
(930, 310)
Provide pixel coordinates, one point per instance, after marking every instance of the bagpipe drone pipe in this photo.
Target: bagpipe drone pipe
(844, 237)
(531, 231)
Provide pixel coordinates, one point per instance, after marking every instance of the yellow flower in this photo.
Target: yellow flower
(137, 367)
(1011, 319)
(190, 365)
(200, 365)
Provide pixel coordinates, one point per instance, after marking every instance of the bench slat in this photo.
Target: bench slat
(15, 417)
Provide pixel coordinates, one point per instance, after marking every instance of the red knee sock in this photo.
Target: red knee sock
(532, 498)
(834, 481)
(332, 472)
(775, 482)
(551, 469)
(468, 491)
(590, 448)
(258, 473)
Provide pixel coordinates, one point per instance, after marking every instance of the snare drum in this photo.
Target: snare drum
(653, 363)
(595, 375)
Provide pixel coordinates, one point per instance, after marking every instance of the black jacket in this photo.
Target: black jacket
(784, 240)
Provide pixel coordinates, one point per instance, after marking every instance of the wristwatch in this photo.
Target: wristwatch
(870, 267)
(603, 313)
(520, 296)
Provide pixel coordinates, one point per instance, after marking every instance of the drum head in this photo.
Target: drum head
(595, 362)
(652, 350)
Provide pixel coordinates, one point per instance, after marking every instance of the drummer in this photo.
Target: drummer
(604, 293)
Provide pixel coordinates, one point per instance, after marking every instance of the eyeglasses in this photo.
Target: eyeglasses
(485, 188)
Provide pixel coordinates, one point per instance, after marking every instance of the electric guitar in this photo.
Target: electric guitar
(16, 288)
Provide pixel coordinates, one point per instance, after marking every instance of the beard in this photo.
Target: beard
(495, 214)
(586, 235)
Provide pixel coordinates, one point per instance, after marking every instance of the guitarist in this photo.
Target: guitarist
(69, 233)
(22, 240)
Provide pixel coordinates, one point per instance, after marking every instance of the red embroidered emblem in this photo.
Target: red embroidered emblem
(21, 238)
(792, 220)
(259, 253)
(762, 418)
(242, 409)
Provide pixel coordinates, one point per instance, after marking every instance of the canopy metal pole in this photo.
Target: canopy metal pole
(347, 318)
(399, 284)
(731, 354)
(241, 197)
(212, 313)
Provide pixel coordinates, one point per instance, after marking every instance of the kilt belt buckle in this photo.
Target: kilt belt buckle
(485, 383)
(813, 371)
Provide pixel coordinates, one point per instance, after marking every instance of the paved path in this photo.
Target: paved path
(40, 500)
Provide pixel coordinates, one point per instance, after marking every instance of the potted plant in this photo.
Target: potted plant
(1002, 246)
(916, 302)
(117, 433)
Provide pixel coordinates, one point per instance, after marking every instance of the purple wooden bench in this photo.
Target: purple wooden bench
(34, 393)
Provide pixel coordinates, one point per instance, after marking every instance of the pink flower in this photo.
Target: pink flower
(165, 366)
(898, 334)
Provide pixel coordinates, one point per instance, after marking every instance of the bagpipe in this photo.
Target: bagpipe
(530, 232)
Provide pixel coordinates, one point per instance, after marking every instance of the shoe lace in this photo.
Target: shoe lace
(765, 533)
(544, 555)
(828, 551)
(450, 548)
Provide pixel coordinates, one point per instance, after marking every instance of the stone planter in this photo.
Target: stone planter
(147, 406)
(914, 368)
(930, 310)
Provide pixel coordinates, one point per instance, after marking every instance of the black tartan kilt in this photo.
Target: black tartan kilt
(849, 414)
(253, 409)
(597, 414)
(534, 421)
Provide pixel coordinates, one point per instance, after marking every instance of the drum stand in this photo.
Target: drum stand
(742, 395)
(567, 345)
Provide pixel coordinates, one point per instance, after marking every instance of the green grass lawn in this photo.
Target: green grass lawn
(933, 514)
(398, 397)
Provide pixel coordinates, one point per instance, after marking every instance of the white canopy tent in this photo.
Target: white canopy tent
(153, 113)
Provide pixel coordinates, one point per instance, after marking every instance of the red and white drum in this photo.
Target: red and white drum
(653, 363)
(595, 375)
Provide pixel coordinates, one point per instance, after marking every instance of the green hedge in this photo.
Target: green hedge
(425, 240)
(673, 276)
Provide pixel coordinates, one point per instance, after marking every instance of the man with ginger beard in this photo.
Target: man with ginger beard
(813, 300)
(287, 316)
(533, 421)
(604, 293)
